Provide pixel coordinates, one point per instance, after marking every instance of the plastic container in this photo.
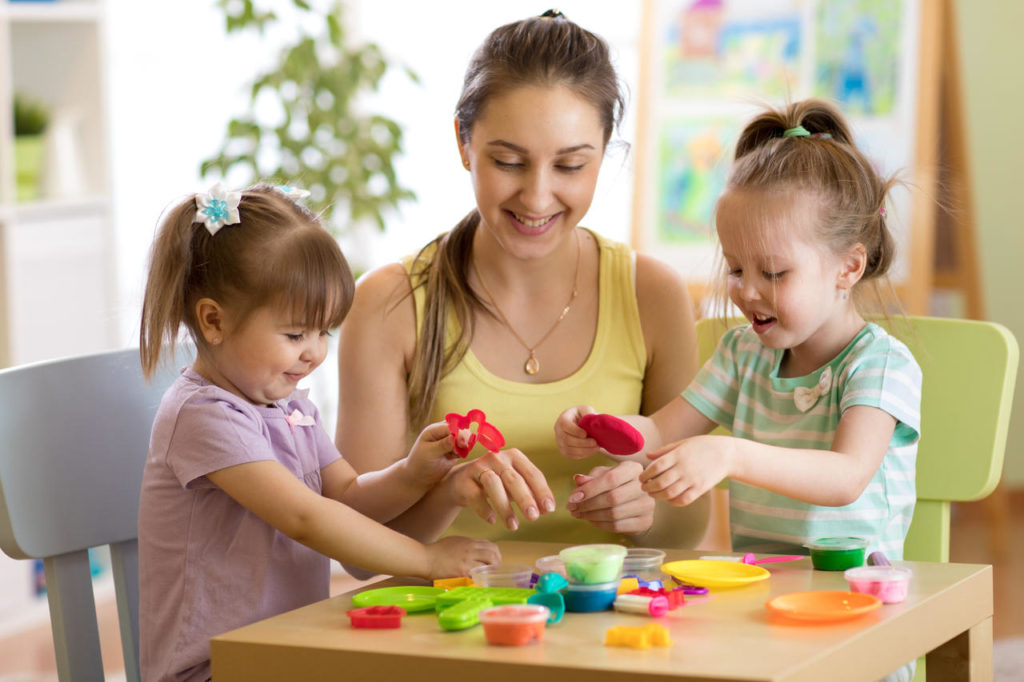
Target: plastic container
(514, 624)
(593, 564)
(837, 554)
(888, 583)
(643, 562)
(581, 598)
(501, 575)
(550, 564)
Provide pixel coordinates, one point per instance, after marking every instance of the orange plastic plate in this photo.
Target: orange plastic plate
(823, 605)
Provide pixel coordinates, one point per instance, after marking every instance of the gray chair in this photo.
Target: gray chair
(74, 434)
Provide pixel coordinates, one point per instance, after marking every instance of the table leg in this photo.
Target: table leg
(966, 657)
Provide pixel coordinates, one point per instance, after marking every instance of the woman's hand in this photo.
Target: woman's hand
(611, 498)
(683, 471)
(571, 439)
(453, 556)
(492, 483)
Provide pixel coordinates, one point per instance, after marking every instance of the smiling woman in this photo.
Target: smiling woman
(519, 311)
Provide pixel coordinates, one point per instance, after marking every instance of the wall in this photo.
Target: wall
(992, 52)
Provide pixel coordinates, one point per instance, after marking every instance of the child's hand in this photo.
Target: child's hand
(685, 470)
(453, 556)
(432, 455)
(490, 484)
(572, 440)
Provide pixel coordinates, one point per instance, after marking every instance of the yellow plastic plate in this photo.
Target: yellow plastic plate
(713, 573)
(823, 605)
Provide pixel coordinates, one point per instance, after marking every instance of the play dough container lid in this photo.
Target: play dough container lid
(888, 583)
(591, 564)
(837, 554)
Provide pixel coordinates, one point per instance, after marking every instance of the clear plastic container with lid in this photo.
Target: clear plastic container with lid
(592, 564)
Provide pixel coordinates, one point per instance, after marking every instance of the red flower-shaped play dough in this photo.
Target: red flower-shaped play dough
(464, 438)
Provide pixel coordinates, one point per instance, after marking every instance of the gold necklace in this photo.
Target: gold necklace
(532, 365)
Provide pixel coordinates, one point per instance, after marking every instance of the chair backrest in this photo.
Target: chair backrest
(74, 434)
(969, 372)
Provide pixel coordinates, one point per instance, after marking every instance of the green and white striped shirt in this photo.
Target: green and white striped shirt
(740, 389)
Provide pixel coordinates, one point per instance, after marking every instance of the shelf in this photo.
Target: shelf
(55, 12)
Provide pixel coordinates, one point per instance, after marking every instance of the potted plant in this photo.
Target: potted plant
(325, 142)
(30, 120)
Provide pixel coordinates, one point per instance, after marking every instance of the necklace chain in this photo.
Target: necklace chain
(532, 365)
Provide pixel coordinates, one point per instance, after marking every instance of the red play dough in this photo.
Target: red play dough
(613, 434)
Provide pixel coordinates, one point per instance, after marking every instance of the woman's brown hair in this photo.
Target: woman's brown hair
(278, 254)
(548, 51)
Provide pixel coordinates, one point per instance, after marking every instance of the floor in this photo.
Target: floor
(28, 657)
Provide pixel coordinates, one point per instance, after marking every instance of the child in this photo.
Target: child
(824, 407)
(244, 496)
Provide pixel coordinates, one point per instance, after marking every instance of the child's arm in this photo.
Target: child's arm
(683, 471)
(274, 494)
(675, 421)
(382, 495)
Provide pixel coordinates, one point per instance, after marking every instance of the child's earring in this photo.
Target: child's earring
(465, 164)
(845, 294)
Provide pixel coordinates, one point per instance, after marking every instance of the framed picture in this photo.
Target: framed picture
(708, 66)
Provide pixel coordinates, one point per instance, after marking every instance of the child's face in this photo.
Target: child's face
(534, 153)
(784, 282)
(264, 358)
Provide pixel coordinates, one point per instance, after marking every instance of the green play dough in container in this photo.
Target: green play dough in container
(591, 564)
(837, 554)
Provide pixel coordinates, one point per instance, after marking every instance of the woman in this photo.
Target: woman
(519, 312)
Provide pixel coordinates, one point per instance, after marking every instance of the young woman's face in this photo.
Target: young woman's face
(784, 283)
(264, 358)
(534, 153)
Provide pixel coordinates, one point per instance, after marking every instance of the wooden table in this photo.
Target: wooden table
(730, 636)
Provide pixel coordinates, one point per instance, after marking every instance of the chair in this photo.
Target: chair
(969, 369)
(74, 434)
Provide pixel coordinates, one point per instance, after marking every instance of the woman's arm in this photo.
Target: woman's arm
(375, 349)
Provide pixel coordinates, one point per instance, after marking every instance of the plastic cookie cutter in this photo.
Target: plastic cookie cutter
(637, 636)
(675, 597)
(376, 617)
(452, 583)
(616, 436)
(689, 588)
(647, 605)
(464, 437)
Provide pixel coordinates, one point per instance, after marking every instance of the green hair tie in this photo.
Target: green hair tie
(799, 131)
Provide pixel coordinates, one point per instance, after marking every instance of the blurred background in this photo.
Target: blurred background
(110, 111)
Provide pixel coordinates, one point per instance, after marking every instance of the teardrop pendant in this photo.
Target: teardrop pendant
(532, 366)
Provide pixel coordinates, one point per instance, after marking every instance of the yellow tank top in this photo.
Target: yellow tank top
(611, 380)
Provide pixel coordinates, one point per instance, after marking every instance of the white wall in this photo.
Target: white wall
(176, 80)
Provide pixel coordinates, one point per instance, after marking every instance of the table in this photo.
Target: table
(731, 636)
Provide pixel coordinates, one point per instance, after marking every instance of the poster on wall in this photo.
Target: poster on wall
(708, 66)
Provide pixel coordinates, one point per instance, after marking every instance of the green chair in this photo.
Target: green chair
(969, 369)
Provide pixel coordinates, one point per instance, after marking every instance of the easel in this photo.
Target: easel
(944, 252)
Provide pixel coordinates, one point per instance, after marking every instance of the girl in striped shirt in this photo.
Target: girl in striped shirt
(823, 406)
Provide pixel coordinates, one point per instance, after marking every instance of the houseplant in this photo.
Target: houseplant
(322, 140)
(30, 120)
